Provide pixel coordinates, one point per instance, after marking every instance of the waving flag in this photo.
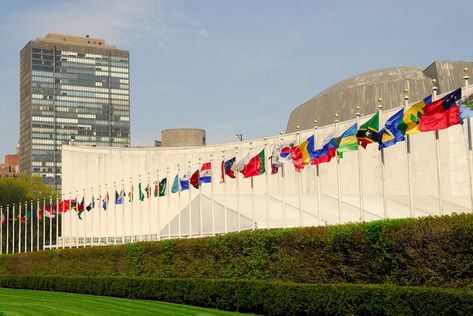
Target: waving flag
(255, 166)
(176, 187)
(105, 202)
(297, 158)
(205, 173)
(390, 135)
(163, 187)
(184, 183)
(3, 218)
(118, 198)
(441, 113)
(243, 161)
(285, 155)
(228, 168)
(91, 206)
(466, 107)
(368, 132)
(347, 141)
(194, 180)
(326, 153)
(410, 121)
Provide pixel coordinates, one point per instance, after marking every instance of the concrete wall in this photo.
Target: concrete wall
(179, 137)
(292, 198)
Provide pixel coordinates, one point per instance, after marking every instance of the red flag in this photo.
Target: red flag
(194, 180)
(255, 166)
(222, 170)
(441, 113)
(297, 159)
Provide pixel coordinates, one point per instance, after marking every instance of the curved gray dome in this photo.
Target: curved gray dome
(364, 90)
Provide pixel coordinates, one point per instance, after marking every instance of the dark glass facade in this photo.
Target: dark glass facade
(78, 96)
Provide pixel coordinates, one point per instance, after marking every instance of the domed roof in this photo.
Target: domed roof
(361, 90)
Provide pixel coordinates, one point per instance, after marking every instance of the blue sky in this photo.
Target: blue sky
(234, 66)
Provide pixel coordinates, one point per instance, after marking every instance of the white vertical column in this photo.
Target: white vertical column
(56, 211)
(168, 197)
(212, 198)
(158, 220)
(1, 230)
(76, 219)
(132, 202)
(149, 195)
(237, 189)
(225, 216)
(140, 187)
(437, 152)
(360, 171)
(470, 146)
(25, 237)
(50, 222)
(8, 229)
(178, 201)
(383, 171)
(283, 187)
(84, 220)
(189, 171)
(338, 175)
(70, 220)
(107, 217)
(200, 201)
(299, 183)
(409, 163)
(100, 215)
(317, 175)
(114, 195)
(37, 225)
(44, 223)
(19, 228)
(123, 196)
(252, 197)
(266, 183)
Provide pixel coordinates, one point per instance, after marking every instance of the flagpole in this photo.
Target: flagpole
(360, 171)
(141, 206)
(338, 175)
(237, 189)
(26, 226)
(383, 171)
(83, 220)
(178, 202)
(19, 228)
(317, 175)
(44, 223)
(224, 194)
(200, 202)
(8, 229)
(409, 166)
(158, 222)
(212, 193)
(57, 222)
(123, 196)
(253, 219)
(470, 145)
(190, 197)
(13, 230)
(100, 214)
(37, 225)
(437, 152)
(50, 221)
(132, 202)
(1, 229)
(266, 179)
(92, 220)
(299, 188)
(168, 197)
(77, 220)
(283, 187)
(149, 195)
(70, 221)
(107, 211)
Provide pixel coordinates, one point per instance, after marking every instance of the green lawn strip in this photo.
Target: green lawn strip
(30, 302)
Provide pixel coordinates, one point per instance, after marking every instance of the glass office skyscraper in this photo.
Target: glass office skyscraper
(73, 90)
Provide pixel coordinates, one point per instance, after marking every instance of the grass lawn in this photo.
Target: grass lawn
(29, 302)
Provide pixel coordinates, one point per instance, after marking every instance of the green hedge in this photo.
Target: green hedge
(273, 298)
(432, 251)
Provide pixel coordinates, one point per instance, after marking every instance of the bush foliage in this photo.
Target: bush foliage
(263, 297)
(432, 251)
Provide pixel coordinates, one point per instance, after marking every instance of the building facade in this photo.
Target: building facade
(73, 90)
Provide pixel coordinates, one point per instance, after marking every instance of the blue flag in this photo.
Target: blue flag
(118, 198)
(184, 183)
(175, 184)
(466, 108)
(390, 135)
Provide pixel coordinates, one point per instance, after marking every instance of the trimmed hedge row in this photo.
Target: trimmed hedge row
(431, 251)
(272, 298)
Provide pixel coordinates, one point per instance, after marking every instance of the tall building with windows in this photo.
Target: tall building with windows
(73, 90)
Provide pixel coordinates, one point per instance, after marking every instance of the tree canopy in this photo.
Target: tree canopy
(24, 188)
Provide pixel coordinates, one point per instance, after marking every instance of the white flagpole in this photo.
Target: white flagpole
(123, 196)
(50, 222)
(360, 171)
(107, 217)
(252, 199)
(200, 202)
(62, 222)
(100, 215)
(470, 145)
(56, 211)
(141, 207)
(1, 231)
(283, 188)
(408, 152)
(132, 202)
(158, 222)
(37, 225)
(44, 223)
(168, 197)
(338, 175)
(237, 194)
(437, 152)
(317, 175)
(224, 194)
(13, 229)
(299, 179)
(266, 184)
(83, 219)
(115, 212)
(70, 220)
(76, 220)
(26, 227)
(178, 201)
(8, 231)
(149, 196)
(383, 171)
(189, 168)
(212, 193)
(19, 228)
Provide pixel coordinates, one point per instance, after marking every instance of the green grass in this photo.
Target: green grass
(29, 302)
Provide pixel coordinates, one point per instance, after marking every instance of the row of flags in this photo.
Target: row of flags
(423, 116)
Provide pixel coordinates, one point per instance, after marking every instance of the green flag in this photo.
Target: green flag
(163, 187)
(368, 132)
(141, 194)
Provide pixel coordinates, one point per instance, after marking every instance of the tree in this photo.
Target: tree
(22, 189)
